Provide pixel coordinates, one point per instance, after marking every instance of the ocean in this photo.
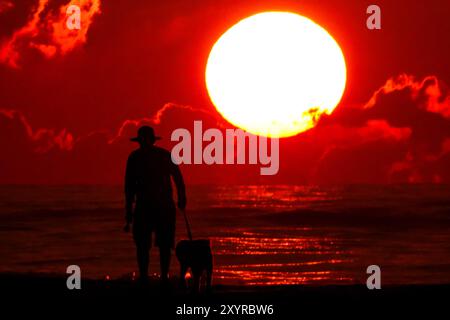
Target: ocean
(260, 235)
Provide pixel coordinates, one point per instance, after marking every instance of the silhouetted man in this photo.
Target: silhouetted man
(148, 183)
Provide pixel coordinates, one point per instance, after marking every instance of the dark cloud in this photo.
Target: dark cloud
(46, 31)
(38, 140)
(5, 5)
(413, 129)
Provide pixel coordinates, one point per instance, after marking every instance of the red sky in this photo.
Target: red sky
(64, 97)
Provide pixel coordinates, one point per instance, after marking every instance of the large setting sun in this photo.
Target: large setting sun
(274, 73)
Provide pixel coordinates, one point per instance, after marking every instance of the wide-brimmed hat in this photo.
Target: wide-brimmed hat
(145, 132)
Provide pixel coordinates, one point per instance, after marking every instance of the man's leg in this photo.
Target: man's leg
(164, 256)
(142, 239)
(143, 257)
(165, 237)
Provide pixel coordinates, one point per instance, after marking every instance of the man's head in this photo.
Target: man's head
(145, 136)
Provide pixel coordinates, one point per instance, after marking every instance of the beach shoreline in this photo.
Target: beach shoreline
(49, 293)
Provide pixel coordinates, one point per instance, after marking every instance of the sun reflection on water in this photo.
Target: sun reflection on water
(295, 258)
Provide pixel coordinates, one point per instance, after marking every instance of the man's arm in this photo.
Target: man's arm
(179, 183)
(130, 190)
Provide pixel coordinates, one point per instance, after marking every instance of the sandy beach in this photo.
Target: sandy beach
(48, 296)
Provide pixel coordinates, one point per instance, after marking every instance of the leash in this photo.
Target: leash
(188, 227)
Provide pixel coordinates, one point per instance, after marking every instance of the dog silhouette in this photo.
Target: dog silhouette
(196, 255)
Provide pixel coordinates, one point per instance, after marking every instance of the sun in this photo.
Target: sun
(274, 73)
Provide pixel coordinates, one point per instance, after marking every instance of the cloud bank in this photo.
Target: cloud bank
(401, 135)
